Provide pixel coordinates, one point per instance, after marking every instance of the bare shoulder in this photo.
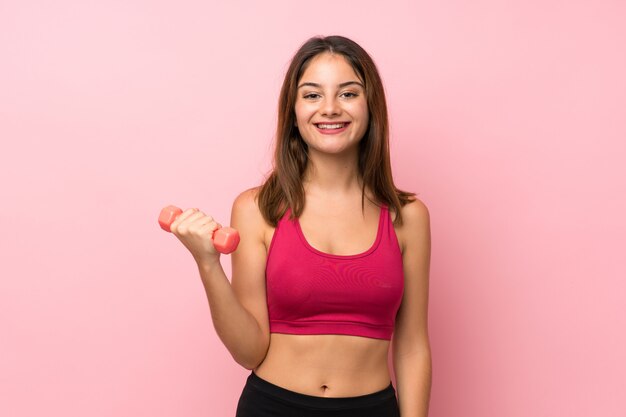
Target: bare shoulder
(246, 215)
(415, 210)
(415, 227)
(246, 201)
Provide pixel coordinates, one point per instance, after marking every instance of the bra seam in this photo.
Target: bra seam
(350, 322)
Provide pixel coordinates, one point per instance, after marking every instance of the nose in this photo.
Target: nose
(330, 107)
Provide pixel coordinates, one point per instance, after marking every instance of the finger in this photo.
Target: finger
(208, 229)
(204, 223)
(212, 225)
(181, 218)
(197, 220)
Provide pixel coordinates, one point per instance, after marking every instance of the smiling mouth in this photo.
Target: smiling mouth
(328, 126)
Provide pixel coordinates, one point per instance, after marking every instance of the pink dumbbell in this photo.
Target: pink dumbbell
(225, 239)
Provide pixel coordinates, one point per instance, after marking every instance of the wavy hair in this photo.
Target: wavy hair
(283, 187)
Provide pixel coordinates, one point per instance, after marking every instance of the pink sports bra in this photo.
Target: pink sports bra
(312, 292)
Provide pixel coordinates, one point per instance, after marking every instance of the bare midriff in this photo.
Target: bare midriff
(326, 365)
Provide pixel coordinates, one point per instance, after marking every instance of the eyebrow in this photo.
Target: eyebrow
(342, 85)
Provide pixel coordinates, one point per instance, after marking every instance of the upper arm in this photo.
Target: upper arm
(248, 261)
(411, 331)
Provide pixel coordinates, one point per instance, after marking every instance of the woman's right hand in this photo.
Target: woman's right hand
(195, 230)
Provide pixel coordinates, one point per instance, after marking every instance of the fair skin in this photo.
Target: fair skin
(332, 115)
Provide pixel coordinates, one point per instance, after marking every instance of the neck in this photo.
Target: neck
(335, 175)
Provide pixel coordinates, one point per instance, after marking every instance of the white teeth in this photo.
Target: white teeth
(335, 126)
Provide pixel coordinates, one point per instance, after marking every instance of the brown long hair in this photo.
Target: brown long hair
(283, 188)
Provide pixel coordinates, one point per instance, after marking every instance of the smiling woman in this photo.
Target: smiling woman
(333, 259)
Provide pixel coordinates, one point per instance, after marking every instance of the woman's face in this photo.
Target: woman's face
(331, 107)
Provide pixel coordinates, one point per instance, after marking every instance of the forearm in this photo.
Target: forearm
(413, 383)
(235, 326)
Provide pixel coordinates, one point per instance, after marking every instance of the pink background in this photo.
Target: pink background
(508, 119)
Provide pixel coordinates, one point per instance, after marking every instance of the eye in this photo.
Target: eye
(349, 94)
(311, 96)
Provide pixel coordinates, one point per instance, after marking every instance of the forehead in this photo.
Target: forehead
(329, 67)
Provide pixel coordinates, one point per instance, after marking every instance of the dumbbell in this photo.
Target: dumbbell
(225, 239)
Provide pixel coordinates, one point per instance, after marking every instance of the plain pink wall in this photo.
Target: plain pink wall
(508, 119)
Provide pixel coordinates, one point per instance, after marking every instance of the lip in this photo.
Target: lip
(331, 131)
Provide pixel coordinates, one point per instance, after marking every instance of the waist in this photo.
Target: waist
(326, 365)
(330, 404)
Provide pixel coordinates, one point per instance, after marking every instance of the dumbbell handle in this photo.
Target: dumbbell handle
(225, 239)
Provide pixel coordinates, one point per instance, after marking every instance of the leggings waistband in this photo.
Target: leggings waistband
(320, 402)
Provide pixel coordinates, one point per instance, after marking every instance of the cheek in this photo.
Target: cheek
(301, 113)
(361, 110)
(365, 115)
(365, 121)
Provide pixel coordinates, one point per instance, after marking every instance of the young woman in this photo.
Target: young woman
(332, 268)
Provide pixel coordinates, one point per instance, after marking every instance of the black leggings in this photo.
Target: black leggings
(261, 398)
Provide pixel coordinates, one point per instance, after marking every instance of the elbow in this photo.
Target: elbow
(251, 363)
(254, 361)
(249, 366)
